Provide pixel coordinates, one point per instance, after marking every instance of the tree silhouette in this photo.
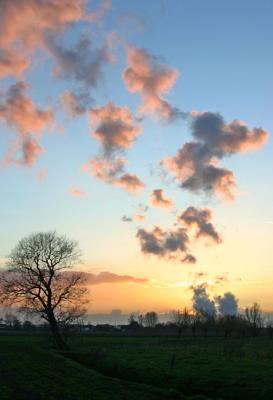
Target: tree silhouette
(151, 319)
(254, 318)
(39, 279)
(181, 319)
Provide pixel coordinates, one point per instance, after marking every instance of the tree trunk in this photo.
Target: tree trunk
(61, 344)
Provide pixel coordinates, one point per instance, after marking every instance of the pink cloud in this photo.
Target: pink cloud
(110, 277)
(31, 150)
(41, 174)
(75, 191)
(104, 169)
(116, 129)
(28, 24)
(158, 199)
(24, 21)
(75, 103)
(12, 63)
(19, 111)
(146, 75)
(114, 126)
(130, 182)
(139, 217)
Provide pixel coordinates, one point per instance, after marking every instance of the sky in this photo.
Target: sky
(142, 130)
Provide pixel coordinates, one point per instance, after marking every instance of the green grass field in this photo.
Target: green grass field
(216, 367)
(152, 368)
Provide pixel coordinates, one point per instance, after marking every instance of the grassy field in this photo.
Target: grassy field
(152, 368)
(29, 370)
(230, 369)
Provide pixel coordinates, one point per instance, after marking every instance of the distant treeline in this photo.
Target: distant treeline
(181, 323)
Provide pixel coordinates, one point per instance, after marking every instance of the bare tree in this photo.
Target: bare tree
(151, 319)
(140, 319)
(39, 279)
(181, 319)
(253, 316)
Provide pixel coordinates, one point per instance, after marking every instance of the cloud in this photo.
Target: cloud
(26, 20)
(227, 304)
(158, 199)
(201, 301)
(221, 279)
(103, 168)
(20, 113)
(31, 150)
(12, 63)
(139, 217)
(175, 244)
(196, 164)
(75, 191)
(111, 171)
(82, 63)
(200, 219)
(109, 277)
(23, 25)
(172, 245)
(143, 207)
(115, 127)
(126, 219)
(130, 183)
(136, 217)
(27, 24)
(146, 75)
(75, 103)
(41, 174)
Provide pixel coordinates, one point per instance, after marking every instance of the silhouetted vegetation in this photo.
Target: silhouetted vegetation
(39, 280)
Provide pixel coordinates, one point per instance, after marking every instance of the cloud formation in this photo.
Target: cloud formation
(20, 113)
(172, 245)
(196, 164)
(41, 174)
(158, 199)
(12, 63)
(152, 79)
(31, 150)
(82, 63)
(129, 182)
(200, 219)
(75, 103)
(175, 244)
(24, 24)
(103, 168)
(110, 277)
(29, 24)
(116, 129)
(124, 218)
(139, 217)
(201, 302)
(227, 304)
(75, 191)
(39, 16)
